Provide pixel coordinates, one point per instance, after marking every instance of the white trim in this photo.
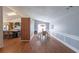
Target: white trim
(68, 35)
(31, 36)
(74, 49)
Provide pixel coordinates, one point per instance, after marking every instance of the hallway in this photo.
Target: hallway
(61, 21)
(35, 45)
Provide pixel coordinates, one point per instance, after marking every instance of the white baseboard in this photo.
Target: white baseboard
(74, 49)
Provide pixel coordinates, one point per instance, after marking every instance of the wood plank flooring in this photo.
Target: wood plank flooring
(15, 46)
(51, 45)
(34, 46)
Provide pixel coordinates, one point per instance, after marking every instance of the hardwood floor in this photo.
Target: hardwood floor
(34, 46)
(15, 46)
(49, 46)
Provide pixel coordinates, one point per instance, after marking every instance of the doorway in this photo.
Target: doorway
(41, 27)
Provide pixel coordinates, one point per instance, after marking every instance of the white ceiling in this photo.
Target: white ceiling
(46, 13)
(12, 18)
(6, 10)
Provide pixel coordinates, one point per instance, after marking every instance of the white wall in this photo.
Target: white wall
(68, 24)
(67, 29)
(31, 27)
(1, 27)
(51, 27)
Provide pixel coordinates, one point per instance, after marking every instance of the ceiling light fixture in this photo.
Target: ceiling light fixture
(11, 14)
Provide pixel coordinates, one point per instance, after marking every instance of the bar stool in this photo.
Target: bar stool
(6, 35)
(10, 34)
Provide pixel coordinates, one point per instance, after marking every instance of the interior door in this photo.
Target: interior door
(25, 29)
